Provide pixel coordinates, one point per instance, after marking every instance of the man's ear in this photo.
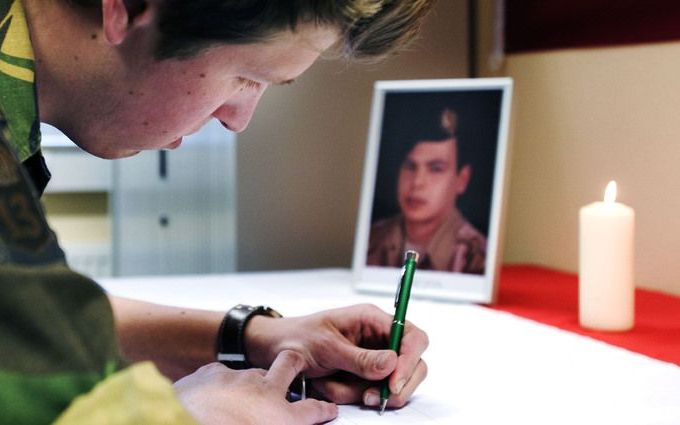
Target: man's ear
(463, 179)
(120, 17)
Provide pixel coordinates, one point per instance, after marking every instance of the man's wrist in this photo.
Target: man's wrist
(258, 342)
(233, 346)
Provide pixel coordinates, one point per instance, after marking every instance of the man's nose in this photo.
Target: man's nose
(236, 113)
(419, 177)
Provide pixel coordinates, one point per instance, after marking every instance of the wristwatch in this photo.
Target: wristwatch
(231, 350)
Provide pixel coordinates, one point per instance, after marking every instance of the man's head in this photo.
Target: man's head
(367, 28)
(130, 75)
(432, 175)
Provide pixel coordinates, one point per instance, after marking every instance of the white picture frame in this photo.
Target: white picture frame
(483, 106)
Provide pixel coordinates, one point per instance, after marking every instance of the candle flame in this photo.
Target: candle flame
(610, 192)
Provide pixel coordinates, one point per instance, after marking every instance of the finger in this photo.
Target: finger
(371, 396)
(401, 398)
(287, 365)
(314, 411)
(413, 344)
(374, 322)
(363, 362)
(350, 392)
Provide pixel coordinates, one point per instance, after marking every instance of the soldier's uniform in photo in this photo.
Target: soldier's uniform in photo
(456, 246)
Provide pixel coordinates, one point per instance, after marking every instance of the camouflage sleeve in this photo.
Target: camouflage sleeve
(58, 340)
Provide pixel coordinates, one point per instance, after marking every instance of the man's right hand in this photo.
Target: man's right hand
(215, 394)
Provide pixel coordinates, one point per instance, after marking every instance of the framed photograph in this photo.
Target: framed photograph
(434, 182)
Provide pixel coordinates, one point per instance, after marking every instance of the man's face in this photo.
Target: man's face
(159, 102)
(429, 182)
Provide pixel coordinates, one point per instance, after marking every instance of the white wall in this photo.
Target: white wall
(582, 118)
(300, 162)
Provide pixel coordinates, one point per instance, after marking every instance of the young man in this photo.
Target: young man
(121, 76)
(431, 178)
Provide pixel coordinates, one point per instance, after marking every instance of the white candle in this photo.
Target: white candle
(606, 287)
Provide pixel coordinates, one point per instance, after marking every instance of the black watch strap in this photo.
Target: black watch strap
(231, 350)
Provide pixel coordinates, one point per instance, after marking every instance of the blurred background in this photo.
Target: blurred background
(596, 98)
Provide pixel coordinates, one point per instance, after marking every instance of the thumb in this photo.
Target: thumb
(368, 364)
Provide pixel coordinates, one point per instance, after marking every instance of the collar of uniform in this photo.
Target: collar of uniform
(18, 104)
(442, 244)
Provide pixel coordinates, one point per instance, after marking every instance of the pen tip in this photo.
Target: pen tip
(383, 404)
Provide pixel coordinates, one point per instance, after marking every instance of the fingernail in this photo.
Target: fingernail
(371, 399)
(399, 385)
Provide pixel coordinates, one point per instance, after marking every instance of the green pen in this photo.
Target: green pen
(400, 305)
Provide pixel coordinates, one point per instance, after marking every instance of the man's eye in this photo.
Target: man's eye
(408, 166)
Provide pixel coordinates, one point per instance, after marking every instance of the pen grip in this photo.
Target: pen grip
(395, 340)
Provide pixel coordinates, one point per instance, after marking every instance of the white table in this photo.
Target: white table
(485, 366)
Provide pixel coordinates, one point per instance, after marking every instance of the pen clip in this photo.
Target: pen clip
(401, 280)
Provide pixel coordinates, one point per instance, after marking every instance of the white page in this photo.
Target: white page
(363, 415)
(485, 366)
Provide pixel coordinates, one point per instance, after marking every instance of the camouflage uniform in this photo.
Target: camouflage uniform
(57, 336)
(456, 246)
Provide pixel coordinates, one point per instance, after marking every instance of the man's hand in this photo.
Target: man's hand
(215, 394)
(344, 350)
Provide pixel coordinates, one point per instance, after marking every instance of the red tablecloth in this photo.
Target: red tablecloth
(551, 297)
